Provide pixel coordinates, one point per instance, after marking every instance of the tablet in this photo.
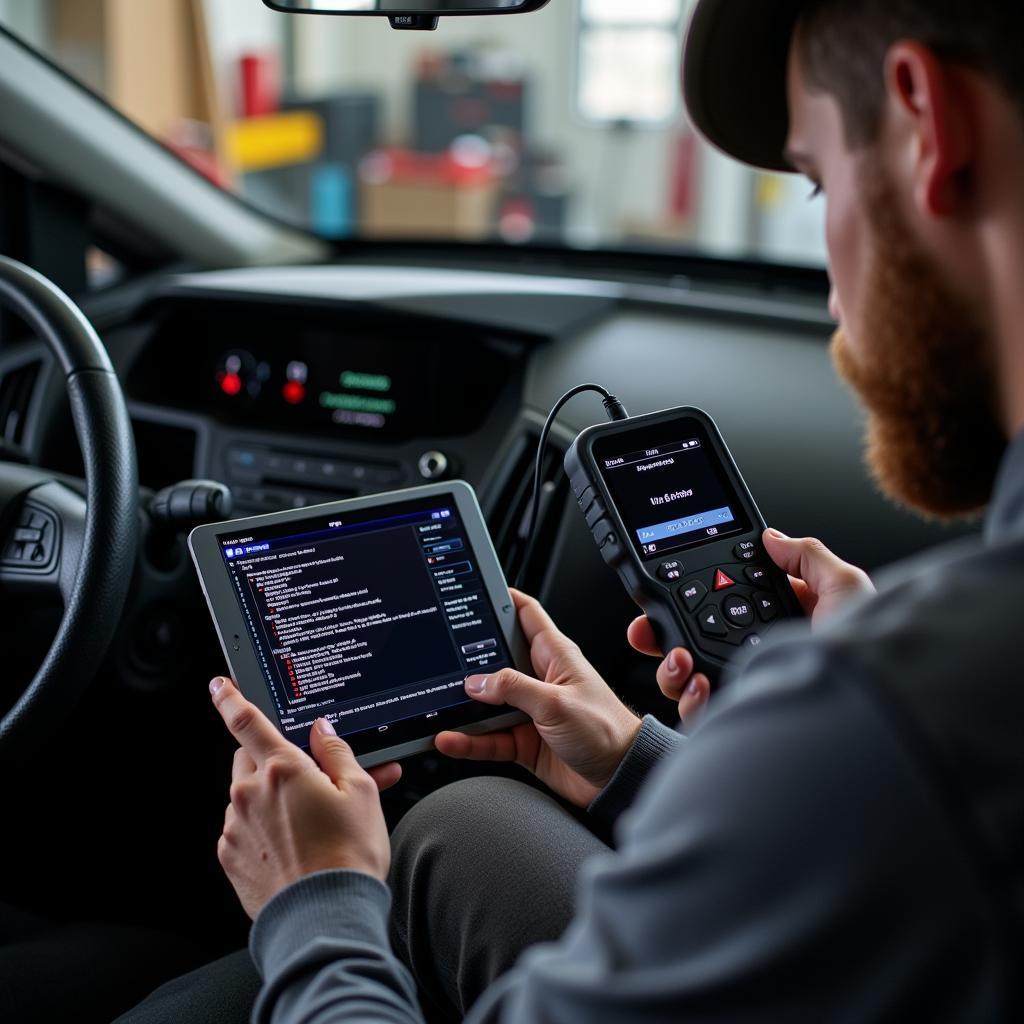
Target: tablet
(369, 612)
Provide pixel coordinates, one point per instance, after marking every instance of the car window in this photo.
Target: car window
(561, 127)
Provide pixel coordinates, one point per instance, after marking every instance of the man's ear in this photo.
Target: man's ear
(930, 106)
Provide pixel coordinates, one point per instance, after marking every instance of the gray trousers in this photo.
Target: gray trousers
(480, 870)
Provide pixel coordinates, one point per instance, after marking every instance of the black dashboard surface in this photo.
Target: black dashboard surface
(457, 369)
(462, 345)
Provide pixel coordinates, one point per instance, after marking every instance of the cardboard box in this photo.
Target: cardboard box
(412, 195)
(149, 59)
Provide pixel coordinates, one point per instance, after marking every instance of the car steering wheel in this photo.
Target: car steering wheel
(54, 543)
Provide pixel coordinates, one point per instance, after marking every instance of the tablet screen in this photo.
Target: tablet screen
(370, 618)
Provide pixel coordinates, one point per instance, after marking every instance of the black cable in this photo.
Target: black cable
(615, 410)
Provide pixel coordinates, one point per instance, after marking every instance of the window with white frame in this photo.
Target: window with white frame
(628, 60)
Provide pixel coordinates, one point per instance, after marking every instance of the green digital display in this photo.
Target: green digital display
(365, 381)
(356, 403)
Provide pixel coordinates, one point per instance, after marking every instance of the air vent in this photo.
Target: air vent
(510, 512)
(16, 387)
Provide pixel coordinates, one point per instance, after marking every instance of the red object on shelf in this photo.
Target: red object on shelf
(261, 87)
(684, 176)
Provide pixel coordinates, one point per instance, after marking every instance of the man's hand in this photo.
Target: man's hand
(579, 730)
(821, 581)
(291, 815)
(676, 678)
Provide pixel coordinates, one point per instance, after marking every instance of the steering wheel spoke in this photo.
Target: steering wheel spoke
(40, 551)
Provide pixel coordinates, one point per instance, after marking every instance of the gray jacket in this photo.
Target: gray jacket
(841, 839)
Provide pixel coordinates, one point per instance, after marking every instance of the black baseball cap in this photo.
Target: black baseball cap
(734, 76)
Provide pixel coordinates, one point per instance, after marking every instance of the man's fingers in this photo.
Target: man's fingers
(332, 753)
(547, 642)
(674, 673)
(695, 697)
(507, 686)
(680, 683)
(228, 829)
(807, 598)
(385, 775)
(338, 761)
(246, 722)
(532, 617)
(640, 634)
(242, 765)
(492, 746)
(808, 559)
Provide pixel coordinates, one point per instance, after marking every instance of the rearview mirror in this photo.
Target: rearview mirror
(407, 14)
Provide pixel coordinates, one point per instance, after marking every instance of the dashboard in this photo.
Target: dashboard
(347, 377)
(299, 385)
(297, 403)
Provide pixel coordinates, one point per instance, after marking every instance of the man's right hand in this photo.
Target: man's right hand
(821, 581)
(579, 729)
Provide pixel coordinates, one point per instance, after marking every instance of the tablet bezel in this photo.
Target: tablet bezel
(233, 635)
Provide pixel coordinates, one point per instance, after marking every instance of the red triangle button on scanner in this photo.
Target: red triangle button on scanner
(722, 581)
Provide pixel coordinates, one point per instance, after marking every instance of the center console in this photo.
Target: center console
(293, 405)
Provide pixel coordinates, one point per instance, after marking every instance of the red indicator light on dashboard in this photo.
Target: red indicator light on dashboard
(230, 383)
(294, 391)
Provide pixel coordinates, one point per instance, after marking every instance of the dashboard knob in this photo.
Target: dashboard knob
(433, 465)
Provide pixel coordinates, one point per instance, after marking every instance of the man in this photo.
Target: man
(843, 835)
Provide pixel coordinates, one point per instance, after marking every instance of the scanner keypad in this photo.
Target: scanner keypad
(737, 613)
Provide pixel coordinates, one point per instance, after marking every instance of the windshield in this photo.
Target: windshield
(562, 127)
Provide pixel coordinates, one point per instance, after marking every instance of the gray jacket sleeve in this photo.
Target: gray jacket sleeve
(791, 861)
(652, 745)
(321, 946)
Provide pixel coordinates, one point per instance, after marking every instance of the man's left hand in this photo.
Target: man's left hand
(291, 815)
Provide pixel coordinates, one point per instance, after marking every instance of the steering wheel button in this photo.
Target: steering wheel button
(767, 606)
(692, 594)
(738, 610)
(711, 622)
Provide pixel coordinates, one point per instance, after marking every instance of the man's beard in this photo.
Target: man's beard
(923, 365)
